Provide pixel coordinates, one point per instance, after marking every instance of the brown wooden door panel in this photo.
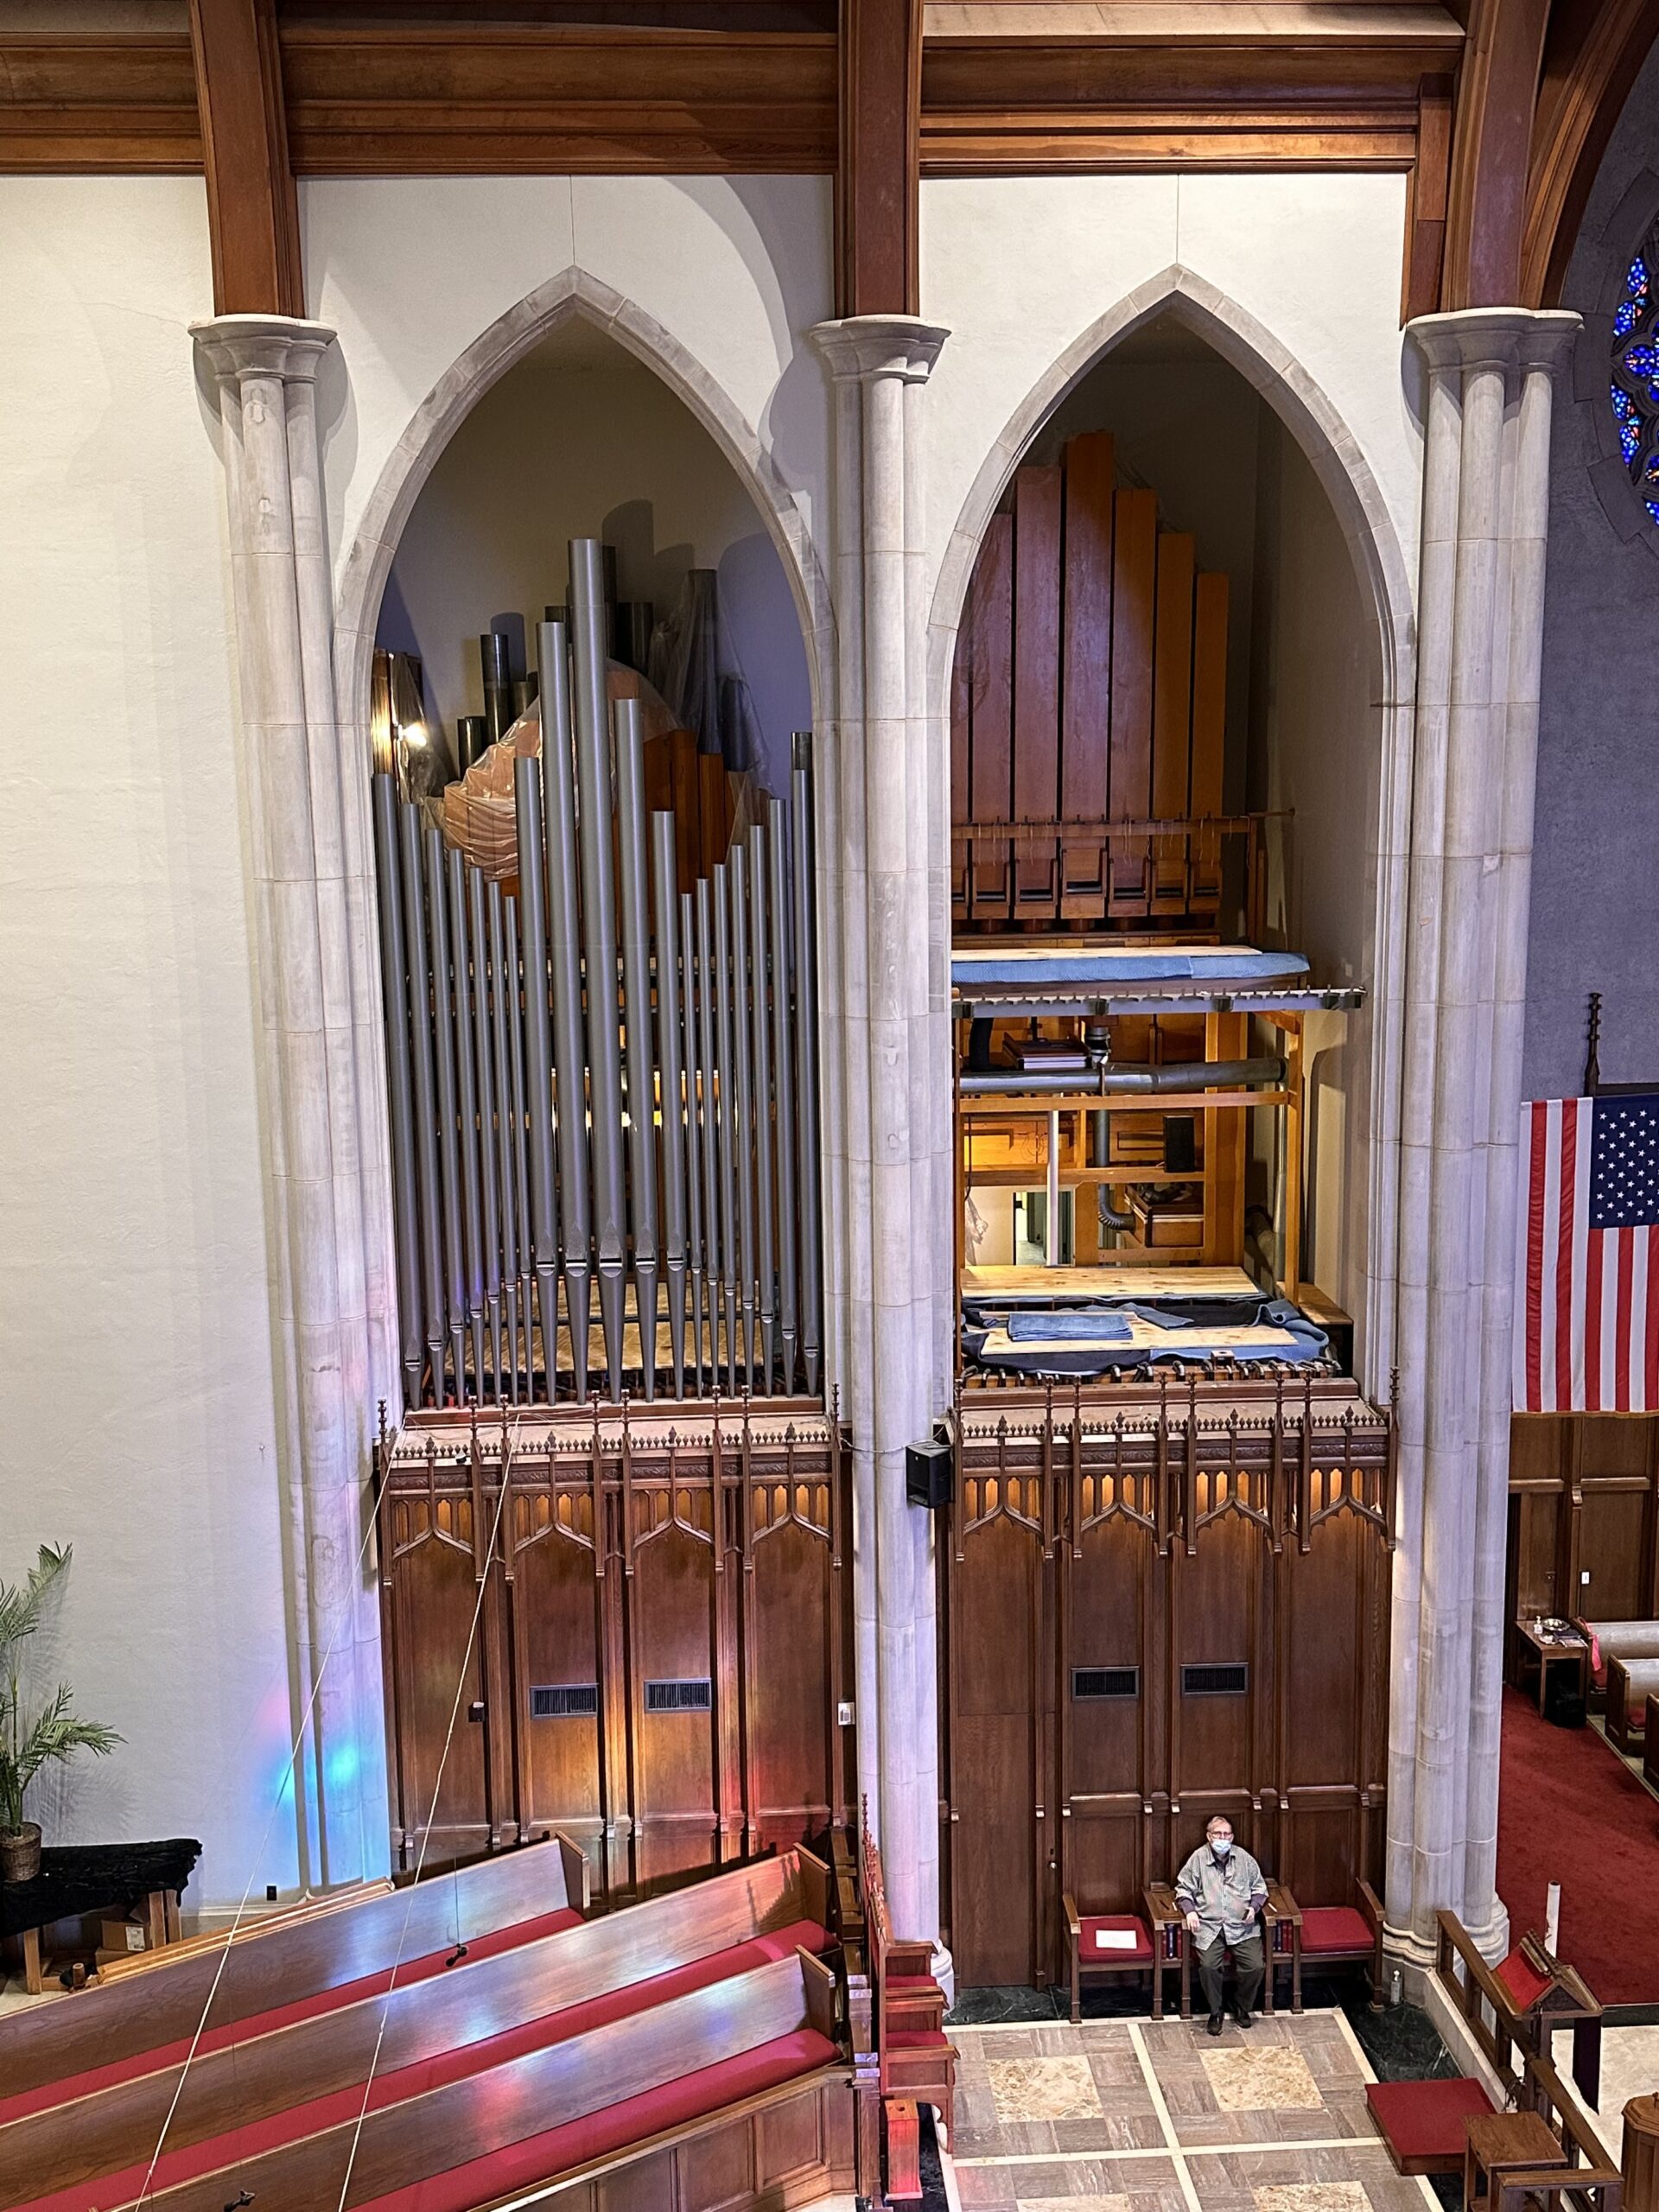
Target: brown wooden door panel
(1217, 1600)
(672, 1641)
(997, 1716)
(1326, 1677)
(435, 1596)
(1610, 1552)
(789, 1736)
(557, 1634)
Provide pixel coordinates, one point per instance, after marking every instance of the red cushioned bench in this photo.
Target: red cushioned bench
(1422, 2123)
(451, 2019)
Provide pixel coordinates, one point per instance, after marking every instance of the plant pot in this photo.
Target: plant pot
(20, 1853)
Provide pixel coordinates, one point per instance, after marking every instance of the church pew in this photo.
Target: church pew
(291, 1969)
(1630, 1682)
(537, 2116)
(472, 2015)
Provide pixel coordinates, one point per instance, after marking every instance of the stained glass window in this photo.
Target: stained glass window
(1634, 389)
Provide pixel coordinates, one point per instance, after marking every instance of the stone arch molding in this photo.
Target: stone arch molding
(500, 347)
(1267, 364)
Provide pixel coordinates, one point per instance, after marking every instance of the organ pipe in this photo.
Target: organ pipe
(694, 1149)
(760, 1053)
(394, 983)
(499, 1019)
(472, 1203)
(784, 1079)
(489, 1166)
(424, 1088)
(671, 1071)
(635, 889)
(448, 1130)
(806, 1048)
(538, 1057)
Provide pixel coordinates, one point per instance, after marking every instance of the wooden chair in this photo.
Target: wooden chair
(1324, 1935)
(917, 2061)
(1158, 1942)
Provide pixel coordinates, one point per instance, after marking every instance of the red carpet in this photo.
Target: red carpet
(1570, 1811)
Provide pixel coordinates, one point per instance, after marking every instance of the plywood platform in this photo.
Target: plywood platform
(1129, 1281)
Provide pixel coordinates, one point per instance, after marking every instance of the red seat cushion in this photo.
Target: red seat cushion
(1329, 1930)
(1424, 2121)
(560, 2150)
(1089, 1952)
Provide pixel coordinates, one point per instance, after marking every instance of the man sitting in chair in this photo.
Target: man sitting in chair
(1221, 1891)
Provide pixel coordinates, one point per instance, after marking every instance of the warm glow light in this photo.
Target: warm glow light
(412, 733)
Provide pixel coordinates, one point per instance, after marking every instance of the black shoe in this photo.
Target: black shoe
(1245, 2019)
(1214, 2024)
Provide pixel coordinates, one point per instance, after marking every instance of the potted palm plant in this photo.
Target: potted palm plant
(55, 1731)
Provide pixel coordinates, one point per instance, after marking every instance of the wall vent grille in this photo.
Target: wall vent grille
(1231, 1679)
(694, 1693)
(1105, 1682)
(563, 1701)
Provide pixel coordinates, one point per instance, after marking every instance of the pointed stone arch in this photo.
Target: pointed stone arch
(1386, 595)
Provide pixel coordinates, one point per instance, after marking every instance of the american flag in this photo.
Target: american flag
(1586, 1324)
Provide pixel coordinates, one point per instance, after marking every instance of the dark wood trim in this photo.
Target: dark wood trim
(93, 106)
(879, 166)
(1426, 194)
(1497, 90)
(1592, 55)
(253, 215)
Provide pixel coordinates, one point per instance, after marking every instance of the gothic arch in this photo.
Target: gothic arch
(1263, 360)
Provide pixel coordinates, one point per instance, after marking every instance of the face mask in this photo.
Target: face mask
(1221, 1845)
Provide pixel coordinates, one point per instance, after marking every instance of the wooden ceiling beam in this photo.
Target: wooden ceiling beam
(101, 105)
(253, 217)
(1498, 92)
(879, 164)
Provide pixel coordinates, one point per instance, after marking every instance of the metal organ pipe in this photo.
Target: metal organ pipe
(635, 889)
(494, 653)
(717, 986)
(525, 1235)
(489, 1172)
(806, 1047)
(499, 1018)
(694, 1149)
(784, 1079)
(742, 1144)
(760, 1048)
(564, 935)
(425, 1092)
(394, 986)
(538, 1060)
(448, 1132)
(670, 1069)
(467, 1102)
(598, 918)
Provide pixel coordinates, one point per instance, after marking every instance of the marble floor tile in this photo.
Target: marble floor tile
(1044, 2089)
(1108, 2202)
(1261, 2079)
(1312, 2196)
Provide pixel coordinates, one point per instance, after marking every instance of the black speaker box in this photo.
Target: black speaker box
(930, 1473)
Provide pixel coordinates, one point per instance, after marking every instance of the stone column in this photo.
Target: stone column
(1480, 602)
(887, 1030)
(310, 894)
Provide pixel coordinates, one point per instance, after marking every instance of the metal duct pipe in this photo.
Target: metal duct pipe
(725, 1085)
(526, 1233)
(761, 1050)
(598, 929)
(693, 1143)
(564, 935)
(448, 1116)
(500, 1021)
(806, 1047)
(394, 987)
(743, 1143)
(784, 1079)
(635, 889)
(670, 1069)
(466, 1099)
(489, 1168)
(495, 657)
(425, 1089)
(538, 1060)
(1118, 1076)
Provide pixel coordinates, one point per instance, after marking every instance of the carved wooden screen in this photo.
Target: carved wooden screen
(661, 1642)
(1147, 1620)
(1088, 710)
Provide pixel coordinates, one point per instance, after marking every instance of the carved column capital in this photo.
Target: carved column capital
(1511, 339)
(861, 347)
(282, 346)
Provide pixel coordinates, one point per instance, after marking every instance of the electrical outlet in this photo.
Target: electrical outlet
(844, 1713)
(1584, 1579)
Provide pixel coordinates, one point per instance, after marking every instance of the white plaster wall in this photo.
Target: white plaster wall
(410, 271)
(135, 1331)
(1020, 267)
(580, 438)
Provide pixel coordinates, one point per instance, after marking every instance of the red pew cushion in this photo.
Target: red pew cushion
(342, 2106)
(560, 2150)
(283, 2016)
(1091, 1952)
(1331, 1928)
(1424, 2121)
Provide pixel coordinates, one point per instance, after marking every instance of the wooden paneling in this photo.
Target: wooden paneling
(1584, 1499)
(1080, 1540)
(622, 1557)
(1036, 680)
(1426, 194)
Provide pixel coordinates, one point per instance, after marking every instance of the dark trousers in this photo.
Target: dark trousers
(1249, 1968)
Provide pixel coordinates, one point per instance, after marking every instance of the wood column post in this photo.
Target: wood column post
(879, 157)
(252, 211)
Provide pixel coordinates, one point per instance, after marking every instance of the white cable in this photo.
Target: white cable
(437, 1791)
(258, 1859)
